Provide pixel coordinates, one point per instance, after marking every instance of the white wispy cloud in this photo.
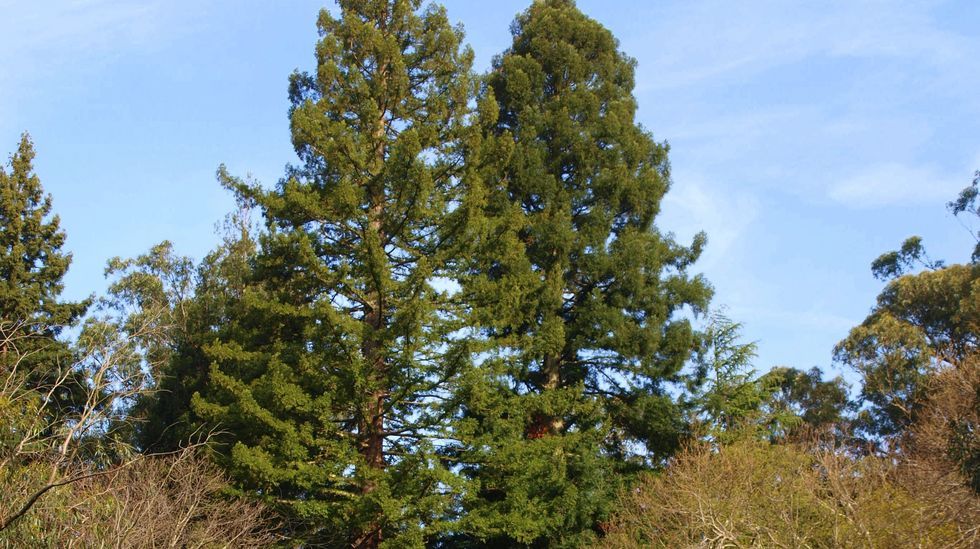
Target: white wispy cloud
(697, 205)
(807, 320)
(50, 44)
(884, 71)
(894, 183)
(40, 35)
(704, 41)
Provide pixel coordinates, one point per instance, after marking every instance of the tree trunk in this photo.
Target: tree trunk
(543, 424)
(371, 426)
(372, 420)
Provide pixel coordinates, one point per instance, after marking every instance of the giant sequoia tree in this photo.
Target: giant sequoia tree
(328, 373)
(575, 293)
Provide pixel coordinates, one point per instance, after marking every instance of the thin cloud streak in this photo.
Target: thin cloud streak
(894, 184)
(58, 45)
(719, 40)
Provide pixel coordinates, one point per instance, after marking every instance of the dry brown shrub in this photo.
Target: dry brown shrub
(939, 457)
(753, 494)
(173, 501)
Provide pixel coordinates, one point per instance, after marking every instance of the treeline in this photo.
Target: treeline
(454, 323)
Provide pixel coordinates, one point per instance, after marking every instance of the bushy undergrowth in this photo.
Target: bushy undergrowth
(173, 501)
(756, 494)
(922, 492)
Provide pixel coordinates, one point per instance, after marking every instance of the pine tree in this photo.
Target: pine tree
(574, 291)
(328, 374)
(32, 264)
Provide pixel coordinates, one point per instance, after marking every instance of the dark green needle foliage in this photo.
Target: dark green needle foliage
(574, 292)
(32, 266)
(328, 373)
(32, 263)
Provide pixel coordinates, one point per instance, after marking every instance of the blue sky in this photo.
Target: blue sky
(806, 137)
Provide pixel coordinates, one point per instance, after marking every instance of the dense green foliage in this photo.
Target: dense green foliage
(39, 383)
(327, 371)
(571, 290)
(731, 402)
(32, 264)
(68, 473)
(459, 325)
(728, 400)
(921, 321)
(172, 309)
(819, 404)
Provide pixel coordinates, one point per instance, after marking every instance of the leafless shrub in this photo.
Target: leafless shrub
(753, 494)
(52, 444)
(174, 501)
(939, 457)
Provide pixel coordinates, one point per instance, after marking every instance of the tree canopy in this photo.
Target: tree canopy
(574, 295)
(328, 371)
(457, 321)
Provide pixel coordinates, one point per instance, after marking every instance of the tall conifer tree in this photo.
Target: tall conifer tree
(32, 264)
(575, 292)
(32, 268)
(327, 376)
